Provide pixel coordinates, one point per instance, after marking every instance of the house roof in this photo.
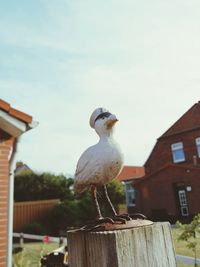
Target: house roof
(14, 112)
(190, 120)
(13, 121)
(131, 173)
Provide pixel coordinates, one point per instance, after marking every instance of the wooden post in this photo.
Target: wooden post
(145, 246)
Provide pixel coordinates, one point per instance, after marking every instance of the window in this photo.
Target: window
(182, 197)
(178, 152)
(184, 211)
(198, 146)
(183, 202)
(130, 194)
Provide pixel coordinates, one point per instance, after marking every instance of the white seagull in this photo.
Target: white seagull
(100, 163)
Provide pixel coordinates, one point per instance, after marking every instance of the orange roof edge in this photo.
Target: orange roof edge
(4, 105)
(131, 173)
(14, 112)
(20, 115)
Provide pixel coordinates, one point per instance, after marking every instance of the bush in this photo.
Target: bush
(33, 228)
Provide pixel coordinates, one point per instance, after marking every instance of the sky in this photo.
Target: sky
(59, 60)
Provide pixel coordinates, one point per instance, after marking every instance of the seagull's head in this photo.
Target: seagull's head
(103, 121)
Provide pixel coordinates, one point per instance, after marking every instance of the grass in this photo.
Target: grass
(31, 254)
(180, 246)
(181, 249)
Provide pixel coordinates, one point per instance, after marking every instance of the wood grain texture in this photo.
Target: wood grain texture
(148, 246)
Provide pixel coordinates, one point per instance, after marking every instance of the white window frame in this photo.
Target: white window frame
(129, 191)
(176, 147)
(182, 197)
(184, 211)
(183, 202)
(198, 145)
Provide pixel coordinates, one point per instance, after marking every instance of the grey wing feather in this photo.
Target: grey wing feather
(83, 163)
(80, 167)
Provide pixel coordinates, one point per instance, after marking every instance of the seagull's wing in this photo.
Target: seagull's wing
(84, 162)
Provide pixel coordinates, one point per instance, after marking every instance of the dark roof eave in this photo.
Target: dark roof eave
(177, 133)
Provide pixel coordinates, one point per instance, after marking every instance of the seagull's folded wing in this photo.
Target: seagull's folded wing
(86, 165)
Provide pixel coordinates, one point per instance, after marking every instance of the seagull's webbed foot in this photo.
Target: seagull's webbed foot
(119, 219)
(128, 217)
(104, 220)
(99, 223)
(124, 217)
(91, 227)
(137, 216)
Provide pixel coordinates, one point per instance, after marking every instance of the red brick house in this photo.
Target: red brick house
(170, 188)
(13, 123)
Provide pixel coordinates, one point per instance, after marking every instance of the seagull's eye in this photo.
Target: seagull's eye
(103, 118)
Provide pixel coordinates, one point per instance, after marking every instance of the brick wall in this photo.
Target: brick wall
(5, 146)
(157, 192)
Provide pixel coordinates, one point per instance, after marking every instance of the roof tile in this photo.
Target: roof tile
(14, 112)
(188, 121)
(131, 173)
(4, 105)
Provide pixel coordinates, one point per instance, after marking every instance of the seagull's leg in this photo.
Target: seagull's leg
(100, 219)
(94, 197)
(122, 218)
(109, 201)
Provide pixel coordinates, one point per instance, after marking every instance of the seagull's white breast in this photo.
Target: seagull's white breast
(99, 164)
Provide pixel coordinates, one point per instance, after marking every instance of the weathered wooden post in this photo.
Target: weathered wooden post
(145, 246)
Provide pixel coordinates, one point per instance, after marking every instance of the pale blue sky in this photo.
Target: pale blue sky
(59, 60)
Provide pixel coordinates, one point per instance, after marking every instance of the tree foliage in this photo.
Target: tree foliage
(32, 186)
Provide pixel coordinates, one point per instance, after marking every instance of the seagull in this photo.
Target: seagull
(101, 163)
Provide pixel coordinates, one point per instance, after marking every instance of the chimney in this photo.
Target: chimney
(195, 160)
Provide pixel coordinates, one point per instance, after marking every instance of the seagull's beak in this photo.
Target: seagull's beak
(111, 121)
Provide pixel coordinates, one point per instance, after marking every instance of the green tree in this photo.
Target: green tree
(32, 186)
(190, 234)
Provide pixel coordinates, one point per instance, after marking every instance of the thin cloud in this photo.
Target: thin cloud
(61, 60)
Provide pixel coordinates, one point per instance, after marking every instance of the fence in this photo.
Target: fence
(31, 211)
(54, 239)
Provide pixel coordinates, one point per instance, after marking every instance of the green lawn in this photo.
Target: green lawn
(181, 249)
(180, 246)
(30, 256)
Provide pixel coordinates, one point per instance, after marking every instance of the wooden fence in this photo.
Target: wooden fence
(31, 211)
